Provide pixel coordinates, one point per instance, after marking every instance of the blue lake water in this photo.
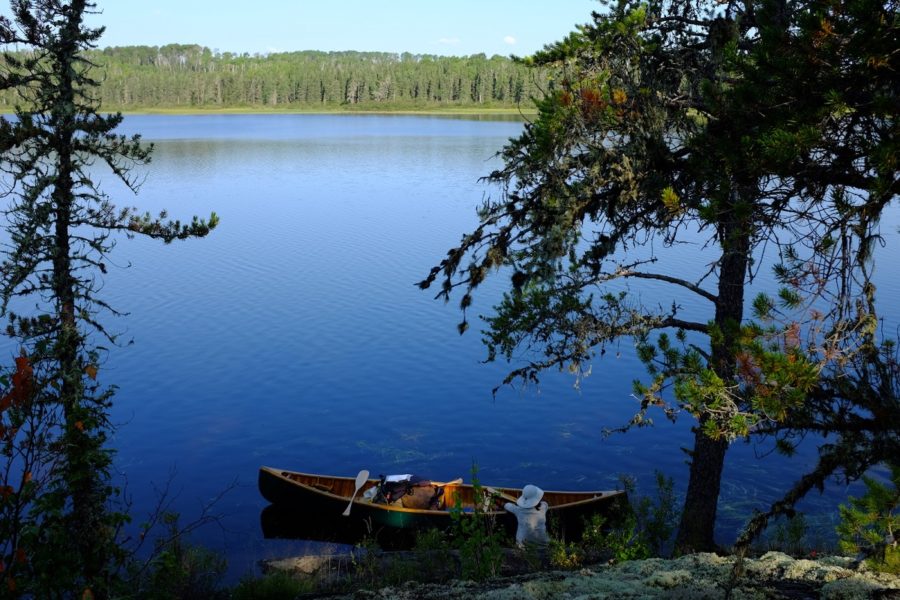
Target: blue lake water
(294, 335)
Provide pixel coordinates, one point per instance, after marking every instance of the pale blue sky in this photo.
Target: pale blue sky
(454, 27)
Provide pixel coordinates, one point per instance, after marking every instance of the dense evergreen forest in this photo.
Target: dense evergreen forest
(190, 76)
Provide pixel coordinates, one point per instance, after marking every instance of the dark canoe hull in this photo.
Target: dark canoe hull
(309, 506)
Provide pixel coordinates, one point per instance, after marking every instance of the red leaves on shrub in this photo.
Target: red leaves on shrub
(22, 384)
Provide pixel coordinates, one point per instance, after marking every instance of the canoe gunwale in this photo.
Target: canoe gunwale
(590, 497)
(280, 473)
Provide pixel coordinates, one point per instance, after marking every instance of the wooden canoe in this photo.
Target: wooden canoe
(316, 502)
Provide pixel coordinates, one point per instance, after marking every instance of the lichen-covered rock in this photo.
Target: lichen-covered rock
(698, 576)
(852, 589)
(777, 565)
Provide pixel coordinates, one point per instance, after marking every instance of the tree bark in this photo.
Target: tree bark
(698, 519)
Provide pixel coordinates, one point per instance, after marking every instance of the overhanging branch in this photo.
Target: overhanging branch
(669, 279)
(686, 325)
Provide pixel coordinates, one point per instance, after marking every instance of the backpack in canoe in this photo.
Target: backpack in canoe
(410, 491)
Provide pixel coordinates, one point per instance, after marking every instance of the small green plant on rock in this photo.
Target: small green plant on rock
(659, 516)
(432, 551)
(566, 555)
(643, 532)
(179, 569)
(275, 586)
(366, 562)
(618, 542)
(476, 536)
(789, 535)
(870, 525)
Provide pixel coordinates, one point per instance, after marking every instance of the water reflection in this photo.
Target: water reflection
(334, 533)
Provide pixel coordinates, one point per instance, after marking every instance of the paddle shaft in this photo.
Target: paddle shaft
(504, 495)
(456, 481)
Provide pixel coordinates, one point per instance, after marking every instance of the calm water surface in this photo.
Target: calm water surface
(294, 335)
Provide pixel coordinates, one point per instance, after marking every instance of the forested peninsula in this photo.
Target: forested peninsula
(181, 77)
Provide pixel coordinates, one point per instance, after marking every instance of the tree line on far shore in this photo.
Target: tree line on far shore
(192, 76)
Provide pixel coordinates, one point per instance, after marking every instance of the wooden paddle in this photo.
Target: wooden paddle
(361, 478)
(504, 495)
(456, 481)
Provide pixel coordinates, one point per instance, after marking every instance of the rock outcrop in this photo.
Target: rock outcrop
(774, 575)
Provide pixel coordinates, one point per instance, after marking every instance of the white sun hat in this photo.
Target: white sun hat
(531, 496)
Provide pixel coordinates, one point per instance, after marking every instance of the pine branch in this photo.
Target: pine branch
(669, 279)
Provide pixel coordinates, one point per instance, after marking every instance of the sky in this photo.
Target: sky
(444, 27)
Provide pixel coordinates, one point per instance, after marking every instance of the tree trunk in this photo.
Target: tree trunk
(80, 465)
(698, 519)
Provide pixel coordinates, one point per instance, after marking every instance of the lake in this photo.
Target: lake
(294, 336)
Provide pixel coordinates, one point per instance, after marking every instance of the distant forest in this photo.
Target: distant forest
(180, 76)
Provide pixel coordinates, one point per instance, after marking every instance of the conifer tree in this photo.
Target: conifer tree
(61, 227)
(870, 525)
(748, 124)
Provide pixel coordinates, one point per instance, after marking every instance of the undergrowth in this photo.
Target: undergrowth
(644, 531)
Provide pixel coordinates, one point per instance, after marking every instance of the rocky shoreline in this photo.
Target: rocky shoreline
(772, 576)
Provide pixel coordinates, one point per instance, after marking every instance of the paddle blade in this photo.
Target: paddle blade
(361, 478)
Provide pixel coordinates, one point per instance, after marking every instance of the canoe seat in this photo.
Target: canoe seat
(323, 487)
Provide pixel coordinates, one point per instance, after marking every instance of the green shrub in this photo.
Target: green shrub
(621, 542)
(178, 569)
(433, 556)
(366, 562)
(477, 537)
(276, 586)
(643, 532)
(788, 535)
(870, 525)
(564, 555)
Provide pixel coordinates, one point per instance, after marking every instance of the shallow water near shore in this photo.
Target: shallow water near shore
(294, 336)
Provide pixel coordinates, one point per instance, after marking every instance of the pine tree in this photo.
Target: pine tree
(61, 226)
(870, 525)
(758, 124)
